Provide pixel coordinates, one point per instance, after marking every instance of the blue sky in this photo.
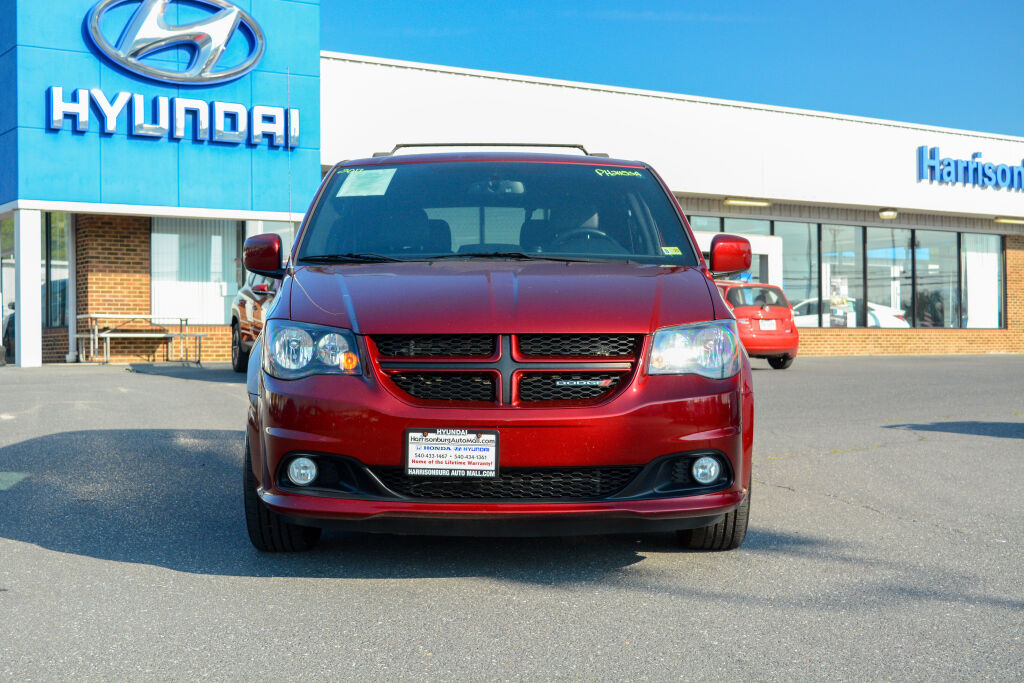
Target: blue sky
(944, 63)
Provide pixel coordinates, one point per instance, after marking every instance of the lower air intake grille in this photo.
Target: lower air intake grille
(447, 386)
(544, 386)
(578, 345)
(435, 345)
(515, 484)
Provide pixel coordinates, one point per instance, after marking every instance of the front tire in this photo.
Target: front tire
(726, 535)
(239, 356)
(267, 530)
(780, 362)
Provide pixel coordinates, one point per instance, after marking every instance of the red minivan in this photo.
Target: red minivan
(497, 344)
(764, 318)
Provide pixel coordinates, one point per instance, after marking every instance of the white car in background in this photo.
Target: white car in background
(805, 314)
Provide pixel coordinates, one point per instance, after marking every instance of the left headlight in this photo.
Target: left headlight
(708, 349)
(292, 350)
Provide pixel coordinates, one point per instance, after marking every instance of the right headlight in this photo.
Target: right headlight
(708, 349)
(292, 350)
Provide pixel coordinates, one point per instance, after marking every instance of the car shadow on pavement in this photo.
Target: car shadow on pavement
(1005, 430)
(212, 372)
(173, 498)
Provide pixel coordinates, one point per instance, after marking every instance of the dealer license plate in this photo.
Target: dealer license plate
(767, 324)
(456, 453)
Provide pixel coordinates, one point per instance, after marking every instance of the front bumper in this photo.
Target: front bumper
(355, 417)
(504, 519)
(760, 344)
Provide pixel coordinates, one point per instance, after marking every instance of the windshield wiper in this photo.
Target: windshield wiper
(363, 257)
(521, 255)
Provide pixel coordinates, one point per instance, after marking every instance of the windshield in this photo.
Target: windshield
(756, 296)
(514, 209)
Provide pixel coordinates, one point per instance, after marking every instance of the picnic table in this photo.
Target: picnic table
(120, 328)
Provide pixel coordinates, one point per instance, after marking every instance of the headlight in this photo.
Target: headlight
(708, 349)
(292, 350)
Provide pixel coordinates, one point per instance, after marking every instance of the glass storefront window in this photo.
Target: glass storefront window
(7, 285)
(705, 223)
(881, 277)
(890, 278)
(982, 280)
(842, 275)
(285, 230)
(748, 226)
(800, 269)
(935, 279)
(55, 270)
(759, 263)
(195, 272)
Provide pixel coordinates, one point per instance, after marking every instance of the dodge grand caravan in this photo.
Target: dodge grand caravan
(497, 344)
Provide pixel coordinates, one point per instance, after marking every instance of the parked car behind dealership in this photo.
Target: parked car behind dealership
(247, 316)
(805, 314)
(764, 320)
(507, 344)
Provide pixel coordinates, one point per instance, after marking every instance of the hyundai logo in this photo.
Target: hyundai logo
(148, 33)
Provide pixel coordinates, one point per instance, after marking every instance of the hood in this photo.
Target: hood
(476, 297)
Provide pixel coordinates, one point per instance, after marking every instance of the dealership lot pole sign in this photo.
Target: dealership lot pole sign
(148, 33)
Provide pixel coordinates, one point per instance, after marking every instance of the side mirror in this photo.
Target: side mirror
(729, 255)
(261, 288)
(261, 254)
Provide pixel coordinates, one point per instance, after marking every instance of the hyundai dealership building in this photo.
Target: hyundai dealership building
(141, 141)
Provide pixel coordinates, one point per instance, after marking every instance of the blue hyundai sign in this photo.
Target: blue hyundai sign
(200, 104)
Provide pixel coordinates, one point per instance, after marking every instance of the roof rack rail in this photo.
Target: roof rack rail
(488, 144)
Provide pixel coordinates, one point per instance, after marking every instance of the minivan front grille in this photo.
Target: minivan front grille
(530, 370)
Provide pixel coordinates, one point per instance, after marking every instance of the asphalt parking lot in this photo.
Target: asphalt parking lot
(885, 541)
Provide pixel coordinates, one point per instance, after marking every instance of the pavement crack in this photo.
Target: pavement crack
(883, 513)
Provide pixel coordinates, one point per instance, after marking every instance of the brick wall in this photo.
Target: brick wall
(864, 342)
(55, 344)
(216, 344)
(112, 264)
(112, 277)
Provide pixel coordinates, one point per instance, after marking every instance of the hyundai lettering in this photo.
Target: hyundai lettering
(497, 344)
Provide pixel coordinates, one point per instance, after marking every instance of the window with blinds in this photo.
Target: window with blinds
(195, 268)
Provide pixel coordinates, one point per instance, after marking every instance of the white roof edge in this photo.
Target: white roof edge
(497, 75)
(149, 211)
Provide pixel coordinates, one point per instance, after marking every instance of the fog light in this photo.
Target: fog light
(706, 470)
(302, 471)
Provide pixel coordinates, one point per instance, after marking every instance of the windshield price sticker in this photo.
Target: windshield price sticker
(455, 453)
(366, 182)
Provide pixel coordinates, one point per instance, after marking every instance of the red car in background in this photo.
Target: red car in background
(764, 318)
